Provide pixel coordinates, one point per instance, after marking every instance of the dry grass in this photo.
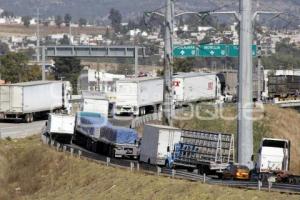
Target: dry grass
(285, 123)
(8, 30)
(30, 170)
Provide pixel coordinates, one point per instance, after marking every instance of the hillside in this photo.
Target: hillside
(275, 122)
(29, 170)
(99, 9)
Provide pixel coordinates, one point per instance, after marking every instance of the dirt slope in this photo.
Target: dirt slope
(29, 170)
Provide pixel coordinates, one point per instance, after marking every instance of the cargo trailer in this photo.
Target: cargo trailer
(138, 96)
(28, 100)
(158, 143)
(95, 133)
(195, 87)
(93, 101)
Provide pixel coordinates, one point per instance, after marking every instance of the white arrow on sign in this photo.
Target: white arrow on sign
(212, 53)
(182, 52)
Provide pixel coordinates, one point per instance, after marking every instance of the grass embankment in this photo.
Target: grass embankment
(273, 122)
(29, 170)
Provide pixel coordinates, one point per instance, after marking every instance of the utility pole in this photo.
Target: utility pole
(136, 54)
(259, 70)
(168, 64)
(245, 104)
(38, 37)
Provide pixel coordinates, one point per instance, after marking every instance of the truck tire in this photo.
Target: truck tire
(27, 118)
(31, 117)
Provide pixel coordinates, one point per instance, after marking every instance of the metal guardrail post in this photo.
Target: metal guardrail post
(269, 186)
(57, 146)
(158, 170)
(204, 178)
(131, 166)
(173, 173)
(107, 161)
(259, 184)
(79, 153)
(138, 166)
(72, 151)
(64, 148)
(52, 143)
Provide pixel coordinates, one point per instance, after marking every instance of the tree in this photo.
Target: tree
(68, 19)
(46, 23)
(4, 49)
(7, 14)
(107, 34)
(183, 65)
(58, 21)
(26, 20)
(82, 22)
(116, 19)
(65, 40)
(69, 68)
(13, 67)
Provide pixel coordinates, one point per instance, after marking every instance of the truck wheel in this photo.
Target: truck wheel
(31, 117)
(27, 118)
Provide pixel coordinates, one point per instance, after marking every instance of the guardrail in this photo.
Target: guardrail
(133, 166)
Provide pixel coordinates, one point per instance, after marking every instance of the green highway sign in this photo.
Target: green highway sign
(234, 51)
(185, 51)
(219, 50)
(215, 50)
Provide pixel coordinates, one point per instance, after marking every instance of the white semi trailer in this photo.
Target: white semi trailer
(28, 100)
(158, 143)
(138, 96)
(93, 101)
(196, 86)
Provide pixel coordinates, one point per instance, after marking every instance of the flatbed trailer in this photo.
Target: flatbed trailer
(207, 152)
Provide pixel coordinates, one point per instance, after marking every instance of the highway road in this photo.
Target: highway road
(18, 129)
(15, 129)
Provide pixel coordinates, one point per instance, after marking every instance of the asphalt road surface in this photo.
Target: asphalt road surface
(16, 129)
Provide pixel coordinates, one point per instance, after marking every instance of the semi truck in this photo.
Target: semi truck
(274, 161)
(208, 152)
(60, 127)
(30, 100)
(138, 96)
(195, 86)
(95, 133)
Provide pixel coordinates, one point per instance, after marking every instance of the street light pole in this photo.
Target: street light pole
(168, 64)
(245, 105)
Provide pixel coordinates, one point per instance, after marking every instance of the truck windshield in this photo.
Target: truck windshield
(275, 143)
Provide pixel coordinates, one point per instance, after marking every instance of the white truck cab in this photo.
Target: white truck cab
(273, 155)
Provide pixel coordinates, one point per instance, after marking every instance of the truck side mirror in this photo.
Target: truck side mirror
(168, 149)
(252, 157)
